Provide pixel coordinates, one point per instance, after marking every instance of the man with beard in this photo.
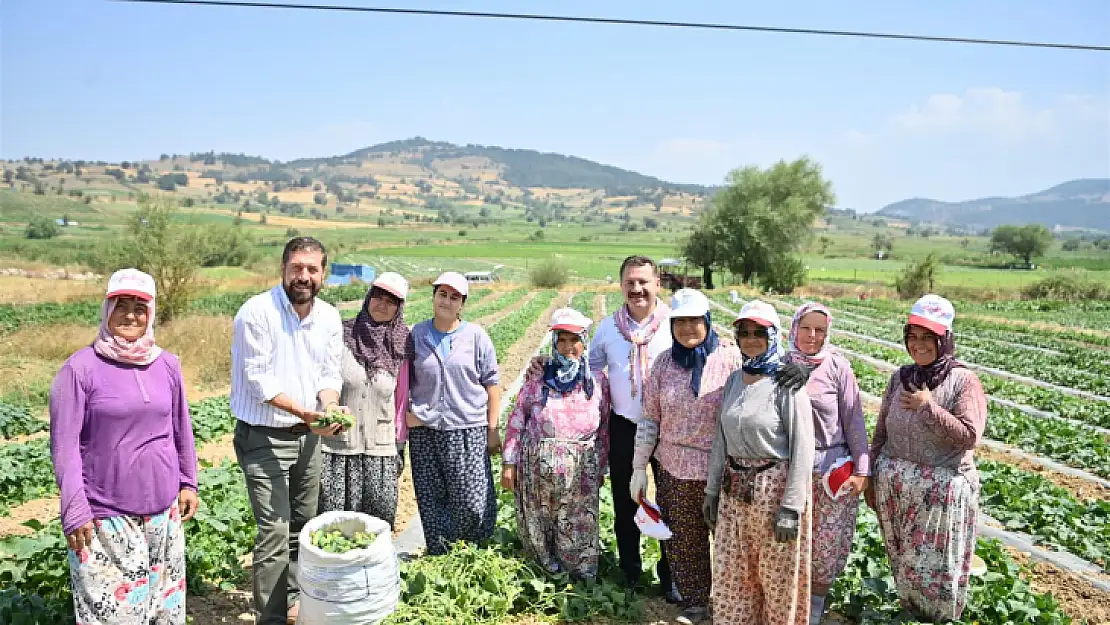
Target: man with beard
(285, 359)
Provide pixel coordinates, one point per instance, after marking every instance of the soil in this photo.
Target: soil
(406, 499)
(521, 352)
(23, 438)
(493, 318)
(1080, 488)
(216, 451)
(45, 510)
(1078, 598)
(216, 608)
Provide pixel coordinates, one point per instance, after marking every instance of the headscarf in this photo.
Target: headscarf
(141, 351)
(638, 357)
(562, 374)
(378, 346)
(770, 361)
(795, 353)
(694, 359)
(916, 377)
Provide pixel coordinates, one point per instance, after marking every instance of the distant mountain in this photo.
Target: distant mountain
(1074, 204)
(520, 168)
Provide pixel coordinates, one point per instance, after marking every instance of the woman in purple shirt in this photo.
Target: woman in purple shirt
(122, 446)
(840, 435)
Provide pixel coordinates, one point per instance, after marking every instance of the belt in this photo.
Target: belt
(297, 430)
(833, 446)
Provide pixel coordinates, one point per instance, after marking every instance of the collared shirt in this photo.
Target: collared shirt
(610, 351)
(274, 351)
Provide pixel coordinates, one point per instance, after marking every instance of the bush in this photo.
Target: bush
(788, 274)
(917, 279)
(549, 274)
(1066, 288)
(42, 228)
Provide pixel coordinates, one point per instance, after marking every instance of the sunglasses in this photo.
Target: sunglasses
(760, 333)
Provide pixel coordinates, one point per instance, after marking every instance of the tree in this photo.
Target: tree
(918, 278)
(320, 199)
(882, 242)
(657, 202)
(763, 217)
(1071, 245)
(8, 175)
(42, 227)
(702, 251)
(824, 242)
(1024, 242)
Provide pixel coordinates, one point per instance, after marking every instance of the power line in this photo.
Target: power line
(634, 22)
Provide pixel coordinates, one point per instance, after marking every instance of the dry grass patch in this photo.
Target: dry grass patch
(203, 344)
(20, 290)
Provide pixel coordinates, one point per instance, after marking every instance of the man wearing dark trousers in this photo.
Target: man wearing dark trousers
(626, 343)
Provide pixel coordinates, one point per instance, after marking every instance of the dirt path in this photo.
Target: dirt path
(493, 318)
(1075, 595)
(23, 438)
(521, 352)
(1079, 488)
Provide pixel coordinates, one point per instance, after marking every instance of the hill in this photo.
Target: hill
(1076, 204)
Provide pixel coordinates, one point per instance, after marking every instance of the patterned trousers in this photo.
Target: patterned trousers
(453, 480)
(360, 483)
(132, 573)
(756, 579)
(834, 527)
(688, 549)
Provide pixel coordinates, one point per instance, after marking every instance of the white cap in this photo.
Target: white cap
(933, 313)
(131, 282)
(393, 282)
(570, 320)
(689, 303)
(453, 279)
(760, 312)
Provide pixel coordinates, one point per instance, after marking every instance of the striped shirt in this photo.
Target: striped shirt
(274, 351)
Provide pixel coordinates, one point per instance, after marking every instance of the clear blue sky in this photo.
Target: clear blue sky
(887, 120)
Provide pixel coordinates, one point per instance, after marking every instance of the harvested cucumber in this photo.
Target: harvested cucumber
(335, 541)
(333, 417)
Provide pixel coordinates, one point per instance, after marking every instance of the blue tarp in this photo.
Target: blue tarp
(345, 274)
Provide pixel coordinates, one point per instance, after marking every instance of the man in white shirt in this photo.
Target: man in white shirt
(285, 358)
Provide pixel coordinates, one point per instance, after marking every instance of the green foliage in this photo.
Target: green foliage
(335, 541)
(42, 227)
(550, 273)
(788, 273)
(26, 472)
(1068, 288)
(17, 421)
(918, 278)
(758, 223)
(1024, 242)
(509, 330)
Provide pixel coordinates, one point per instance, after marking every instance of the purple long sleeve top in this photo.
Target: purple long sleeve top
(838, 426)
(120, 437)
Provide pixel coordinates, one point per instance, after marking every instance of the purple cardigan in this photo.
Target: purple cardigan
(120, 437)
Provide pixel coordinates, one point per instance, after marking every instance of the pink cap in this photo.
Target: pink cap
(454, 280)
(131, 282)
(933, 313)
(392, 282)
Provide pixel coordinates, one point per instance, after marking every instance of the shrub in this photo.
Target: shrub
(551, 273)
(42, 228)
(787, 274)
(1066, 288)
(917, 279)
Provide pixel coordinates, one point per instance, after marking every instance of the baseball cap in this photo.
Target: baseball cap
(760, 312)
(131, 282)
(689, 303)
(570, 320)
(393, 282)
(933, 313)
(453, 279)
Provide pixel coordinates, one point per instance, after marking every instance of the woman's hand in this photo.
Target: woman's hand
(493, 442)
(508, 477)
(853, 486)
(869, 495)
(187, 504)
(535, 367)
(81, 537)
(915, 400)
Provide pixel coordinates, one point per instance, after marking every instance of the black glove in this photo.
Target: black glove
(400, 459)
(709, 510)
(786, 525)
(792, 376)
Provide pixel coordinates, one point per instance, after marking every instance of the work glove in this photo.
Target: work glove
(709, 510)
(786, 525)
(400, 459)
(792, 376)
(637, 486)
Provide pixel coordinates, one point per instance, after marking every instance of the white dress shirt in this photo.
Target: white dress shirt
(275, 351)
(610, 350)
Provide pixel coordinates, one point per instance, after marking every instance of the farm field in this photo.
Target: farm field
(1057, 511)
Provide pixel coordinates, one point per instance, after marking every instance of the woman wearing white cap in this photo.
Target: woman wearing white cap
(122, 445)
(925, 488)
(360, 467)
(681, 399)
(763, 454)
(556, 450)
(454, 403)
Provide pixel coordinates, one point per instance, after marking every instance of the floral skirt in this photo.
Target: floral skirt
(557, 504)
(132, 573)
(360, 483)
(927, 516)
(834, 527)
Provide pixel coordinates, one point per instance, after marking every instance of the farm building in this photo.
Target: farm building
(346, 274)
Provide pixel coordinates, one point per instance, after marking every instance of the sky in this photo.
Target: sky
(887, 120)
